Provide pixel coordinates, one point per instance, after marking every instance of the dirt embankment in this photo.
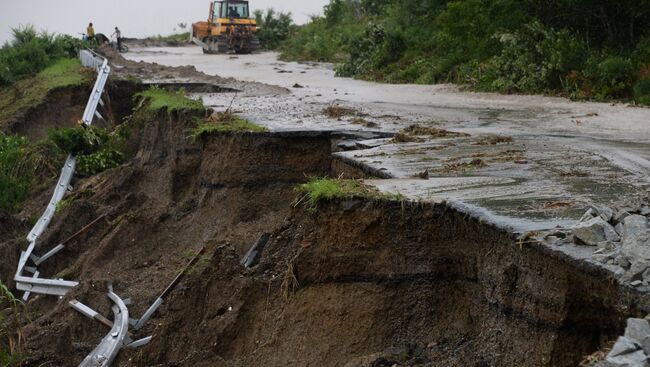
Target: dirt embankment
(360, 283)
(353, 283)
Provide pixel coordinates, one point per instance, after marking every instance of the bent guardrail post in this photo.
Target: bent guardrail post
(139, 323)
(55, 287)
(107, 350)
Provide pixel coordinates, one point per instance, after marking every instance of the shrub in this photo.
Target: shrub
(535, 59)
(31, 52)
(95, 148)
(79, 141)
(642, 91)
(273, 28)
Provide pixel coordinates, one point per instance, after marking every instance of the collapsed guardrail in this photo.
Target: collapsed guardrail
(119, 335)
(33, 283)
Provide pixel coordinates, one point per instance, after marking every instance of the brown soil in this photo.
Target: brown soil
(125, 69)
(350, 283)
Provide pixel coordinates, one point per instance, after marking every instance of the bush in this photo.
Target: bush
(22, 165)
(95, 148)
(642, 91)
(79, 141)
(273, 28)
(533, 60)
(31, 52)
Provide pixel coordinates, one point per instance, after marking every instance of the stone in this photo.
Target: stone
(589, 214)
(637, 329)
(622, 346)
(620, 216)
(622, 261)
(619, 228)
(636, 240)
(645, 344)
(634, 359)
(645, 210)
(594, 231)
(604, 212)
(636, 283)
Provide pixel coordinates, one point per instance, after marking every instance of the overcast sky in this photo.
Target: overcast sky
(136, 18)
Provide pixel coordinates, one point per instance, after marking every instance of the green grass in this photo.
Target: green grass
(23, 166)
(171, 101)
(32, 91)
(324, 189)
(224, 122)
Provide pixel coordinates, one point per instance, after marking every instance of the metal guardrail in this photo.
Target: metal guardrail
(107, 350)
(59, 287)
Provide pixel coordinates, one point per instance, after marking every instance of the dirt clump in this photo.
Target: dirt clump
(433, 132)
(494, 140)
(336, 112)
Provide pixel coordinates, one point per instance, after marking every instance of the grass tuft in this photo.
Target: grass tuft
(223, 122)
(317, 190)
(171, 101)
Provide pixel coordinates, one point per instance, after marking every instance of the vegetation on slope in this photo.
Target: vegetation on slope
(170, 101)
(323, 189)
(31, 91)
(31, 51)
(273, 28)
(24, 165)
(583, 49)
(223, 122)
(96, 148)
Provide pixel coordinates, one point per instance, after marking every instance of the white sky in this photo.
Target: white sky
(136, 18)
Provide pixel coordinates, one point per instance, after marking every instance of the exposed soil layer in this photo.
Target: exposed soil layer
(354, 283)
(378, 283)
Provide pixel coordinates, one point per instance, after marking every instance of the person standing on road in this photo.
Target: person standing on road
(90, 32)
(118, 36)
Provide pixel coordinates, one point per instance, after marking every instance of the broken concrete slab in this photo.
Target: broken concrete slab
(637, 329)
(622, 346)
(634, 359)
(594, 231)
(636, 240)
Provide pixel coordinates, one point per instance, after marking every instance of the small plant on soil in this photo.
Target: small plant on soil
(222, 122)
(11, 337)
(96, 149)
(322, 189)
(171, 101)
(22, 166)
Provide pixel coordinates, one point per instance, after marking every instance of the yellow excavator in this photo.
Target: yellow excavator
(229, 29)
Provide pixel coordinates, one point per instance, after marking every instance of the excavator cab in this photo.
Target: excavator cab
(229, 28)
(231, 9)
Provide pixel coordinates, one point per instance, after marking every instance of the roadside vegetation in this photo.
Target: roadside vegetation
(11, 339)
(274, 28)
(33, 90)
(31, 52)
(170, 101)
(96, 149)
(223, 122)
(576, 48)
(317, 190)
